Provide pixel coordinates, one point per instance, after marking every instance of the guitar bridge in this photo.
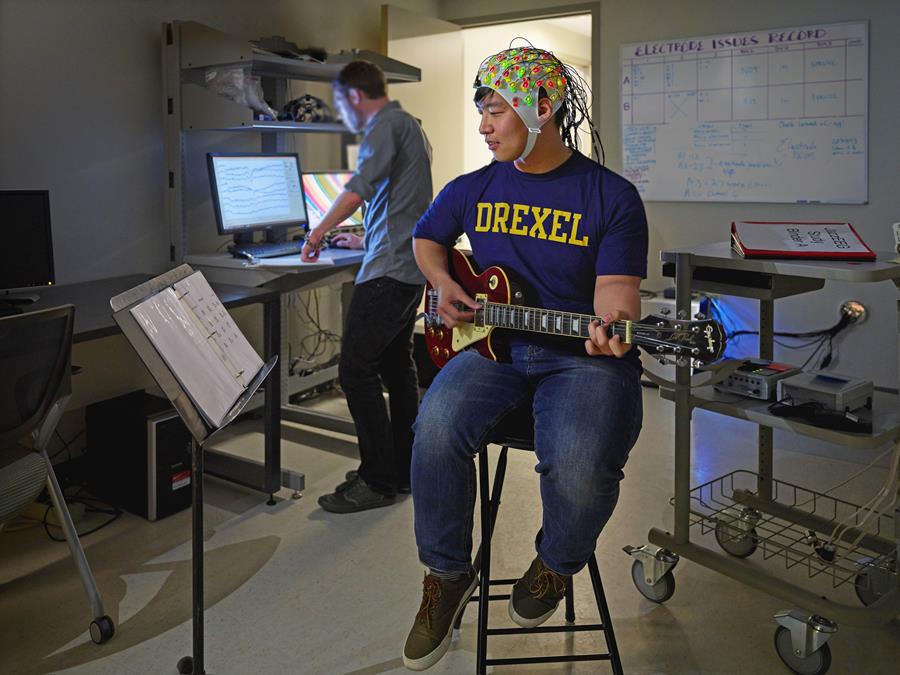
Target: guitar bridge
(466, 334)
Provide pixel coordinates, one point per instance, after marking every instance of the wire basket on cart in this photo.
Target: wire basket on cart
(796, 527)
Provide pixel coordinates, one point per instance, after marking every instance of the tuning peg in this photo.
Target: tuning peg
(682, 361)
(700, 316)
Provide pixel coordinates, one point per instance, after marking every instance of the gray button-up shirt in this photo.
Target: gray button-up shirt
(393, 176)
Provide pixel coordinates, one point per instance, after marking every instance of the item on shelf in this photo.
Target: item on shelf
(278, 44)
(757, 378)
(308, 108)
(237, 84)
(823, 241)
(833, 391)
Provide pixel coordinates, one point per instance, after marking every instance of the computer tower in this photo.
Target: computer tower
(139, 453)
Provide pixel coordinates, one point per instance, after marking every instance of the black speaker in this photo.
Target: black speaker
(139, 454)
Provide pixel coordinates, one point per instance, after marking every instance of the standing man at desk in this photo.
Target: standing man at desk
(393, 176)
(575, 233)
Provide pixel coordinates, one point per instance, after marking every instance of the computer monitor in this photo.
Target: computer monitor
(321, 189)
(26, 261)
(256, 191)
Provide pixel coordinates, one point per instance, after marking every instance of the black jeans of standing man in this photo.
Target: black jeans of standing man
(376, 351)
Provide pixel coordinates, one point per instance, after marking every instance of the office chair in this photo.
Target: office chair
(516, 430)
(35, 386)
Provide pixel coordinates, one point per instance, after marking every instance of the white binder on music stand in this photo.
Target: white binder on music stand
(192, 347)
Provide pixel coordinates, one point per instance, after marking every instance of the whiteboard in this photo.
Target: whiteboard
(769, 116)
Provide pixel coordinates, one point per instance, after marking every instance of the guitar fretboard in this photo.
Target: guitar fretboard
(551, 322)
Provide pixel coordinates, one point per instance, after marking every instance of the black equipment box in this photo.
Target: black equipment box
(139, 453)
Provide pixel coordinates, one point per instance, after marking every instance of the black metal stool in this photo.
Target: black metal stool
(513, 433)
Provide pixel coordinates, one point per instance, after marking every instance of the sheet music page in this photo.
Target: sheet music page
(236, 353)
(184, 346)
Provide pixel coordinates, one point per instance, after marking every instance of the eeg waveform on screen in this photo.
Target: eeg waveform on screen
(258, 192)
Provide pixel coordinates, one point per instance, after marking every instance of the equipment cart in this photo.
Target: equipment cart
(751, 512)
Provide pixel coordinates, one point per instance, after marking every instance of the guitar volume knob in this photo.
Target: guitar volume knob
(440, 334)
(446, 353)
(436, 351)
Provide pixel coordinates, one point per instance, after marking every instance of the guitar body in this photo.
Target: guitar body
(492, 285)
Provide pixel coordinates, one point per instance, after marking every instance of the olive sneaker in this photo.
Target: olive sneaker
(442, 602)
(536, 595)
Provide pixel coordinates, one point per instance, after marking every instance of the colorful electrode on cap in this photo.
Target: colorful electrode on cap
(518, 74)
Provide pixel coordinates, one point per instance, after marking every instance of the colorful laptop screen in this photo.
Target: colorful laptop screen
(321, 189)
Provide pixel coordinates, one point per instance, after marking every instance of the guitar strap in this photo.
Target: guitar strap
(710, 374)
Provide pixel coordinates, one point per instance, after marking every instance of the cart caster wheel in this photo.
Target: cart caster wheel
(873, 582)
(735, 542)
(186, 665)
(816, 663)
(102, 629)
(659, 592)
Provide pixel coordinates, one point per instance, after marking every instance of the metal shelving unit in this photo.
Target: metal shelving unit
(189, 50)
(752, 512)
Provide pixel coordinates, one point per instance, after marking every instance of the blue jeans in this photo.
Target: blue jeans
(587, 414)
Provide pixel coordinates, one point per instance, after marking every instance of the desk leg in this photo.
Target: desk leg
(272, 410)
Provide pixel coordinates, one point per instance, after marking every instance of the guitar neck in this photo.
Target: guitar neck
(547, 321)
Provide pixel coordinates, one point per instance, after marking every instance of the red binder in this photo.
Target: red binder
(821, 241)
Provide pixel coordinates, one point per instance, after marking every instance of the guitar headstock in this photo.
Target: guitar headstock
(701, 340)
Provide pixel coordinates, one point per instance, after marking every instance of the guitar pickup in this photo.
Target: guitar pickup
(466, 334)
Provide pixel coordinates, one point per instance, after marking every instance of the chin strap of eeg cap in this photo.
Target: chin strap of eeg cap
(529, 144)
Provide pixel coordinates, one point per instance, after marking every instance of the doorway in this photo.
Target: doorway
(449, 56)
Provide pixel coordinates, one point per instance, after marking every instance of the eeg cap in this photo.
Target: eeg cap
(518, 74)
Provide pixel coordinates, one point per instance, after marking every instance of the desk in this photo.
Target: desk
(285, 278)
(93, 320)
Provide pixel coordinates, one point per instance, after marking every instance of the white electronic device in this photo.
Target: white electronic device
(833, 391)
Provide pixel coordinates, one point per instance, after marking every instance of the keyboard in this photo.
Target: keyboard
(267, 250)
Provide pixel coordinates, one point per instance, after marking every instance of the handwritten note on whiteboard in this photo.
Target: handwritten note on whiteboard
(774, 115)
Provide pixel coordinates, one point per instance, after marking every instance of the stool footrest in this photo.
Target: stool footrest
(546, 629)
(475, 598)
(548, 659)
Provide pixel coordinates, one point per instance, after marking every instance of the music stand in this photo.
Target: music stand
(201, 431)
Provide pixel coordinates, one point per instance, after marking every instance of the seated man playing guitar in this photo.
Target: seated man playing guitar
(575, 234)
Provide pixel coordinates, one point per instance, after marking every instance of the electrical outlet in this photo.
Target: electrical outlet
(855, 310)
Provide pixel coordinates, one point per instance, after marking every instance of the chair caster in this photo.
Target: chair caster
(186, 665)
(102, 629)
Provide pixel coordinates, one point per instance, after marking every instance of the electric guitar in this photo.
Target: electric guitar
(501, 307)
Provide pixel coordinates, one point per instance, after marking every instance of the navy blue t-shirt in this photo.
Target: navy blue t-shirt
(555, 232)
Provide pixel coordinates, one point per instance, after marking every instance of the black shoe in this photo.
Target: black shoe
(357, 496)
(351, 476)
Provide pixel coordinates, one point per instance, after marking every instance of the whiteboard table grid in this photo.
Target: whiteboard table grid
(807, 150)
